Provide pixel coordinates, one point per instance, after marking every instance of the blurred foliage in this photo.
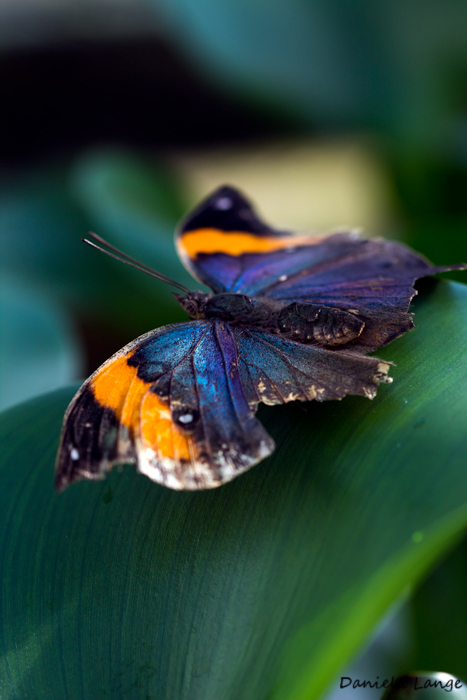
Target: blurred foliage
(38, 349)
(390, 65)
(138, 203)
(40, 226)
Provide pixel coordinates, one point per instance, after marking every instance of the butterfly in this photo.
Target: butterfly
(289, 318)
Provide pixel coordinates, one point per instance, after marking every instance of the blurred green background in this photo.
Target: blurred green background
(119, 115)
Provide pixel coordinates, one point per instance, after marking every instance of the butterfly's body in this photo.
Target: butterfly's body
(303, 322)
(289, 318)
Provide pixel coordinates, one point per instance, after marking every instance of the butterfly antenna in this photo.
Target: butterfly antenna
(128, 260)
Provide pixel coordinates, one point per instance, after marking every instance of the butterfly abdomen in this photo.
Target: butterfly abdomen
(306, 322)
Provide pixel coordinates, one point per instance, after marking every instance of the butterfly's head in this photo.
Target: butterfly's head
(194, 303)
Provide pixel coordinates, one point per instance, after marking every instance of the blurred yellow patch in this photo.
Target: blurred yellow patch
(306, 186)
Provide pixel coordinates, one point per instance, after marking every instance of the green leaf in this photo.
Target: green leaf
(262, 589)
(439, 610)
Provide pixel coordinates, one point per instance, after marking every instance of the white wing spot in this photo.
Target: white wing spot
(369, 392)
(187, 418)
(74, 454)
(282, 278)
(223, 203)
(293, 396)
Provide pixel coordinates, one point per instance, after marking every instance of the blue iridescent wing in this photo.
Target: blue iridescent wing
(276, 370)
(172, 403)
(226, 246)
(373, 279)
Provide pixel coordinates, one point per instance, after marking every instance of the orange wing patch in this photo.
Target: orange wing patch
(159, 432)
(111, 383)
(147, 418)
(211, 240)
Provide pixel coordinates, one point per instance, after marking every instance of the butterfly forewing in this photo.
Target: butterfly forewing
(371, 278)
(172, 402)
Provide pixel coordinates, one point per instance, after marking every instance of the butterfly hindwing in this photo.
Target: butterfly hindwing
(277, 370)
(172, 403)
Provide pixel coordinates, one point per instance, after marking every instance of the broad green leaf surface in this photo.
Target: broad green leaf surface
(260, 590)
